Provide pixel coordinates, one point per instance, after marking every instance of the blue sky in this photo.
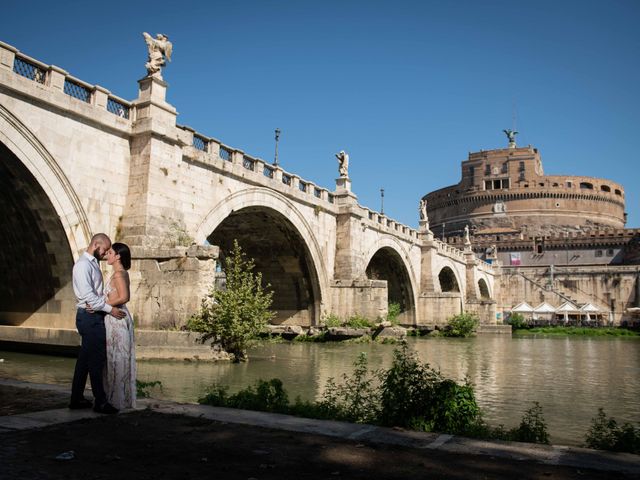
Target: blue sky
(407, 88)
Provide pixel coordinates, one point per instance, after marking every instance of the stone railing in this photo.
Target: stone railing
(379, 221)
(449, 251)
(60, 80)
(213, 152)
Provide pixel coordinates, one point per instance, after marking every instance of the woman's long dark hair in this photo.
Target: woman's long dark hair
(125, 254)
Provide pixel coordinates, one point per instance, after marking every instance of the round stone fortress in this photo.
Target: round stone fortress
(506, 191)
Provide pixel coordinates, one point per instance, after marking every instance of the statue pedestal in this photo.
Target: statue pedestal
(343, 184)
(423, 226)
(152, 89)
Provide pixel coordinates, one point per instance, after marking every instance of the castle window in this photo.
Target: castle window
(541, 184)
(605, 188)
(488, 184)
(539, 249)
(472, 171)
(505, 167)
(555, 184)
(586, 185)
(610, 252)
(521, 168)
(487, 169)
(598, 253)
(618, 192)
(569, 184)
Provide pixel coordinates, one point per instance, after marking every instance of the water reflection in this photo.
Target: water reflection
(570, 377)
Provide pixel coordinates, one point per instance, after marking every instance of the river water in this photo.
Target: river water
(571, 377)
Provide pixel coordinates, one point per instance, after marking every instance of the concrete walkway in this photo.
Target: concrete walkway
(549, 455)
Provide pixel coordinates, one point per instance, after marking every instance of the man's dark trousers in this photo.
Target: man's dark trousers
(92, 357)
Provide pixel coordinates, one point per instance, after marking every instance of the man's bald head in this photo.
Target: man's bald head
(99, 245)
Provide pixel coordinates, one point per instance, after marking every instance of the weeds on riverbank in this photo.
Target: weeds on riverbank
(583, 331)
(410, 394)
(142, 388)
(606, 434)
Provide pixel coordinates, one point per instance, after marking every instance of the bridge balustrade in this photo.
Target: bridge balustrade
(200, 143)
(30, 69)
(118, 107)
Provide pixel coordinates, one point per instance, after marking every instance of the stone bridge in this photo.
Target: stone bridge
(77, 160)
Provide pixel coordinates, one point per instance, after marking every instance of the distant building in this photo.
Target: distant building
(532, 218)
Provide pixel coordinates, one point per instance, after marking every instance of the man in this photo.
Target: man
(92, 308)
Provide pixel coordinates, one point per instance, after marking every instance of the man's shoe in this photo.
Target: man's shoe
(80, 404)
(106, 408)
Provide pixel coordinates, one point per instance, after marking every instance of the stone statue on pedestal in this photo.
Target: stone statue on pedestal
(467, 240)
(511, 135)
(160, 49)
(423, 210)
(343, 161)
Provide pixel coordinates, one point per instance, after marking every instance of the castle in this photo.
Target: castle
(557, 238)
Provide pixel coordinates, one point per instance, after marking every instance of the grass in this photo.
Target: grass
(582, 331)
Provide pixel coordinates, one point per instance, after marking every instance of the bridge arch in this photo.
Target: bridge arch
(448, 280)
(277, 236)
(43, 227)
(483, 289)
(388, 260)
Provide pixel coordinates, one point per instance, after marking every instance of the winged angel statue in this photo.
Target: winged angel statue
(159, 49)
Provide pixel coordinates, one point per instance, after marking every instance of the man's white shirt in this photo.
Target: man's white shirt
(87, 284)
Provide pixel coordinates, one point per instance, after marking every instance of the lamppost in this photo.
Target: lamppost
(275, 161)
(382, 201)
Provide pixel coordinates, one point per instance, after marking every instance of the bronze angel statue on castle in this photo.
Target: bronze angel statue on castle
(159, 49)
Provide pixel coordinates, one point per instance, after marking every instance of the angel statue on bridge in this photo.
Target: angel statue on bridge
(159, 49)
(423, 210)
(343, 160)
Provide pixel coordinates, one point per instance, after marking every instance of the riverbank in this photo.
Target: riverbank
(579, 331)
(170, 440)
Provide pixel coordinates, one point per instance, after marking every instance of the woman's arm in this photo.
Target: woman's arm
(120, 293)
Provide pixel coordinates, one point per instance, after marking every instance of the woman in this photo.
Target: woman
(120, 370)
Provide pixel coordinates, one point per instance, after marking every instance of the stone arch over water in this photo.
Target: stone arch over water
(282, 246)
(484, 289)
(448, 281)
(386, 263)
(42, 229)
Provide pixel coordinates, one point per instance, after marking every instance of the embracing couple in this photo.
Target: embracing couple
(107, 353)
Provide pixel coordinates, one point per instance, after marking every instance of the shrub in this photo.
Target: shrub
(606, 434)
(265, 396)
(532, 428)
(517, 321)
(461, 325)
(415, 396)
(393, 313)
(237, 315)
(356, 399)
(142, 388)
(358, 321)
(332, 320)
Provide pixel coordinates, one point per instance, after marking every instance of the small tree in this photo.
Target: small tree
(236, 315)
(462, 325)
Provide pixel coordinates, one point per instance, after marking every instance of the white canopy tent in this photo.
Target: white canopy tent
(567, 311)
(523, 309)
(544, 311)
(591, 312)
